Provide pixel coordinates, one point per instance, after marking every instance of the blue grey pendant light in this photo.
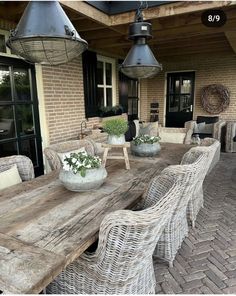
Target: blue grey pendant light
(140, 61)
(46, 35)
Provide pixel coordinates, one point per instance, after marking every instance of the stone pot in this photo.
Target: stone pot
(115, 140)
(93, 179)
(145, 149)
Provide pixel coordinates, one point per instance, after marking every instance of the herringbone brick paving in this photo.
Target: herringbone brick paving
(206, 262)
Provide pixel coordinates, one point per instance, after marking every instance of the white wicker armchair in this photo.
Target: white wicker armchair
(196, 201)
(177, 228)
(24, 165)
(122, 263)
(51, 152)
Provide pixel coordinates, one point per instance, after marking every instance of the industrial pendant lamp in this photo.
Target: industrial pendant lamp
(46, 35)
(140, 61)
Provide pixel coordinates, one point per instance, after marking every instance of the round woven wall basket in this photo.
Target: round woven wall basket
(215, 98)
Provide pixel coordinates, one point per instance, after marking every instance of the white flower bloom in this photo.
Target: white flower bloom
(66, 166)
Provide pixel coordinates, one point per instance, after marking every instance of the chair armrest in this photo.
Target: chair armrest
(217, 129)
(189, 125)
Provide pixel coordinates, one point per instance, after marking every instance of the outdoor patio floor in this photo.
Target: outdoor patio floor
(206, 262)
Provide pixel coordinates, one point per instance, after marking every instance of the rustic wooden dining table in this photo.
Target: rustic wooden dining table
(44, 227)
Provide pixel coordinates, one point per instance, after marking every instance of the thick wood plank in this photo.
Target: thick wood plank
(48, 226)
(26, 268)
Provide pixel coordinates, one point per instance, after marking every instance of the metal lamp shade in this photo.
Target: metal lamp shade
(140, 62)
(45, 35)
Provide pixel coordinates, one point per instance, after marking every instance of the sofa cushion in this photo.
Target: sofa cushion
(207, 119)
(150, 129)
(199, 128)
(9, 177)
(67, 153)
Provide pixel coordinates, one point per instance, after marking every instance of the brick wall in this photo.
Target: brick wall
(211, 68)
(64, 100)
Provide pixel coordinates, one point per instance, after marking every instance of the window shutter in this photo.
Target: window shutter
(90, 83)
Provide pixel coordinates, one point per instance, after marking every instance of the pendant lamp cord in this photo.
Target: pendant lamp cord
(139, 13)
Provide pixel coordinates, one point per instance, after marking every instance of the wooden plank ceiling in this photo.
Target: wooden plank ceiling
(177, 27)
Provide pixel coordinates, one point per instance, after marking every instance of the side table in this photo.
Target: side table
(230, 145)
(125, 156)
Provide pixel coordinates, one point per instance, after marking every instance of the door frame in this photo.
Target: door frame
(165, 92)
(10, 60)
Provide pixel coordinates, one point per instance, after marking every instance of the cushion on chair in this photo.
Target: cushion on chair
(199, 128)
(150, 129)
(10, 177)
(207, 119)
(67, 154)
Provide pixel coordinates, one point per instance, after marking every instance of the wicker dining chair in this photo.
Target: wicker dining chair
(122, 263)
(51, 152)
(197, 199)
(24, 165)
(177, 228)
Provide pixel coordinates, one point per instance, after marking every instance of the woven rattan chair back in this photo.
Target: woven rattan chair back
(197, 199)
(177, 228)
(24, 165)
(122, 263)
(51, 152)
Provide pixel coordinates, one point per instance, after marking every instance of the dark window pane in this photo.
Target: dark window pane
(8, 149)
(173, 103)
(100, 72)
(5, 84)
(25, 119)
(2, 43)
(108, 73)
(7, 125)
(132, 88)
(186, 86)
(185, 103)
(28, 148)
(100, 96)
(22, 84)
(109, 96)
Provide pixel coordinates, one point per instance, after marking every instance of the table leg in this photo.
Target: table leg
(126, 157)
(104, 159)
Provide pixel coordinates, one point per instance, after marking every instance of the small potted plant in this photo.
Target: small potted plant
(145, 145)
(82, 172)
(116, 129)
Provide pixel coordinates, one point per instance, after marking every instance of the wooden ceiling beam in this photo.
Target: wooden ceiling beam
(231, 37)
(170, 9)
(87, 10)
(87, 25)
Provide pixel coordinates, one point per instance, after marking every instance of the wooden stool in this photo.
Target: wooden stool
(110, 146)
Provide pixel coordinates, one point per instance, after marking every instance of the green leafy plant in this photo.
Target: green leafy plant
(80, 162)
(116, 126)
(105, 111)
(145, 139)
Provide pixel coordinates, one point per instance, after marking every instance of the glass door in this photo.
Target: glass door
(19, 118)
(128, 95)
(180, 96)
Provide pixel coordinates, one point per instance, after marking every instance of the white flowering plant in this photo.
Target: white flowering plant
(145, 139)
(80, 162)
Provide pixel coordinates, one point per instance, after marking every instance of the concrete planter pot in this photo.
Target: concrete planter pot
(75, 182)
(115, 140)
(145, 149)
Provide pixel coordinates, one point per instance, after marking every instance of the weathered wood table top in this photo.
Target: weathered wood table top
(44, 227)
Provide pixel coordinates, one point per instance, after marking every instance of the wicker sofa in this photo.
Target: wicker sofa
(207, 127)
(24, 165)
(51, 152)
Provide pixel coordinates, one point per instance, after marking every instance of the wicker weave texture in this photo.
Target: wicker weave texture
(177, 228)
(24, 165)
(212, 152)
(51, 151)
(122, 263)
